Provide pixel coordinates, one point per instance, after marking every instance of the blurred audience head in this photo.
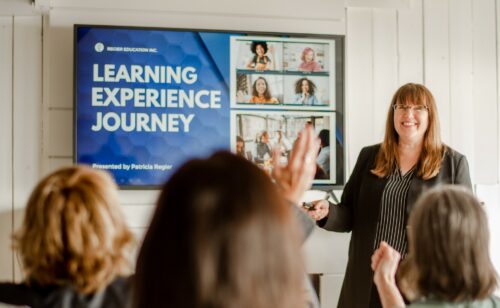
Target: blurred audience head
(449, 248)
(221, 236)
(74, 232)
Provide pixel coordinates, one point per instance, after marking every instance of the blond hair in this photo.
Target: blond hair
(433, 149)
(74, 232)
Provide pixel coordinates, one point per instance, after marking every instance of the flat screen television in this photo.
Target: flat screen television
(148, 99)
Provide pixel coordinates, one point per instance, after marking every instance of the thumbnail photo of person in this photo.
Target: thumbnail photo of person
(309, 63)
(263, 132)
(306, 57)
(263, 148)
(259, 55)
(256, 89)
(240, 149)
(260, 60)
(306, 91)
(323, 158)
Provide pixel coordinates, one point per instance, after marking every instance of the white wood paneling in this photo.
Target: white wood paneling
(437, 60)
(8, 8)
(60, 133)
(57, 163)
(141, 197)
(498, 85)
(242, 22)
(359, 83)
(27, 105)
(330, 286)
(385, 67)
(315, 9)
(18, 274)
(461, 79)
(27, 97)
(321, 258)
(6, 256)
(410, 44)
(138, 216)
(58, 64)
(490, 195)
(388, 4)
(139, 234)
(485, 92)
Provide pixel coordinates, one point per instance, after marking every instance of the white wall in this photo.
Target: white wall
(450, 45)
(20, 123)
(6, 39)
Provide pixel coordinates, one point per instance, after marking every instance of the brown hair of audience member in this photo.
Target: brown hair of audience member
(221, 236)
(449, 248)
(433, 149)
(74, 232)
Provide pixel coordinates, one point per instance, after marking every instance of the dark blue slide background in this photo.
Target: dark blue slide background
(208, 53)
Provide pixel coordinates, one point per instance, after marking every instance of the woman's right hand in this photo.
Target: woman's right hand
(385, 261)
(320, 209)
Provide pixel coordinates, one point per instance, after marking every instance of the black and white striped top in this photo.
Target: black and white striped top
(391, 226)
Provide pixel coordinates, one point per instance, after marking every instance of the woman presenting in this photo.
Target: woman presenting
(384, 185)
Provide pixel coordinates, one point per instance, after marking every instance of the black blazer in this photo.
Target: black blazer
(358, 212)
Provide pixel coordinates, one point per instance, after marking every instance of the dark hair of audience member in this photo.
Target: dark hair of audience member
(221, 236)
(449, 248)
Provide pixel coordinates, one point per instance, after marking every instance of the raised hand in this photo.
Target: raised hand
(296, 177)
(385, 261)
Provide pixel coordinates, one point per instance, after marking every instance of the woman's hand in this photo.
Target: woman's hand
(296, 177)
(385, 261)
(320, 209)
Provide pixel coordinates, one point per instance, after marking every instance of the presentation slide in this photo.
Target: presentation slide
(147, 100)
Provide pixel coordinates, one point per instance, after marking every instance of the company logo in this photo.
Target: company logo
(99, 47)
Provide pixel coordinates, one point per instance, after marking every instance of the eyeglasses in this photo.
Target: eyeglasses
(413, 108)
